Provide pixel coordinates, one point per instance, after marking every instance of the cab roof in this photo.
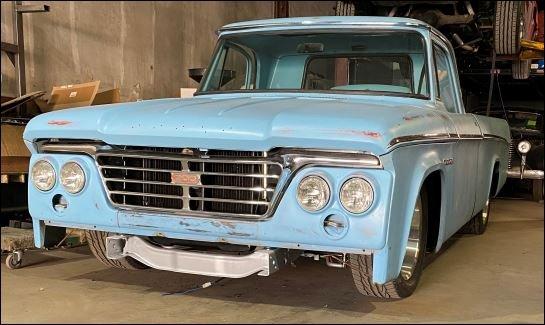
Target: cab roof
(323, 21)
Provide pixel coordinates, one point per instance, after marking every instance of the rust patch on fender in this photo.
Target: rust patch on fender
(59, 122)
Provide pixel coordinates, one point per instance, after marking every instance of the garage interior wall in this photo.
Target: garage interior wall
(144, 48)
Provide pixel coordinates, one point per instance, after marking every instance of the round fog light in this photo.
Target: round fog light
(72, 177)
(313, 193)
(356, 195)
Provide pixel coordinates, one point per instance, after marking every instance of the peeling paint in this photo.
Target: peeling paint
(228, 224)
(412, 118)
(142, 226)
(59, 122)
(159, 234)
(196, 230)
(365, 133)
(241, 234)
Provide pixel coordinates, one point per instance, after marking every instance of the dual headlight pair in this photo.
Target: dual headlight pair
(44, 177)
(356, 194)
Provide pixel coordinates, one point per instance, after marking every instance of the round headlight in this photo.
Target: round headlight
(356, 195)
(524, 146)
(72, 177)
(313, 193)
(43, 175)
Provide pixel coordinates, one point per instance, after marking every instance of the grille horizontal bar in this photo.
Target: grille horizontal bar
(203, 173)
(214, 182)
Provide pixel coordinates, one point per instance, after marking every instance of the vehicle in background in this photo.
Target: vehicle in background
(526, 147)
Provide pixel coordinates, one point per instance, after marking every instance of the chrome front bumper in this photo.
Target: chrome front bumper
(528, 173)
(263, 261)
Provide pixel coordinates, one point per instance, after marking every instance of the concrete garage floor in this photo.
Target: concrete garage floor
(496, 277)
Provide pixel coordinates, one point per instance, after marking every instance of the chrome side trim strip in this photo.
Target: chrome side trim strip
(439, 137)
(496, 137)
(423, 138)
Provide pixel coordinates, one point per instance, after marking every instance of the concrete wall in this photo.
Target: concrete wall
(145, 48)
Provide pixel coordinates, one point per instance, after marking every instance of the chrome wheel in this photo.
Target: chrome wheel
(413, 244)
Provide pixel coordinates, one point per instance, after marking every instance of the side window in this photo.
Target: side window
(443, 79)
(234, 73)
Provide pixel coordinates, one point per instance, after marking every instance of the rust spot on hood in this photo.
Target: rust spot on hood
(412, 118)
(368, 134)
(59, 122)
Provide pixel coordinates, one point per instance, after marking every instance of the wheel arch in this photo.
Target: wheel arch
(390, 259)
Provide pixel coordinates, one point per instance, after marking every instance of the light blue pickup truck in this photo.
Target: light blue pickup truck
(342, 138)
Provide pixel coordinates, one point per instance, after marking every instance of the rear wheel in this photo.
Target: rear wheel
(537, 190)
(413, 261)
(97, 244)
(477, 225)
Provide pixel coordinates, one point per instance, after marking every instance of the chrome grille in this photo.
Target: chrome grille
(232, 183)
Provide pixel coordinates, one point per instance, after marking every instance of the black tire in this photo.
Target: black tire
(520, 69)
(537, 190)
(478, 224)
(97, 244)
(508, 27)
(362, 267)
(344, 8)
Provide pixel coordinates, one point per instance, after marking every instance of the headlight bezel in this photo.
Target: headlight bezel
(523, 142)
(327, 185)
(372, 191)
(83, 173)
(54, 178)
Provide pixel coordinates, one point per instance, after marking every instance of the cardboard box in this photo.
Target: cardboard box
(85, 94)
(15, 155)
(69, 96)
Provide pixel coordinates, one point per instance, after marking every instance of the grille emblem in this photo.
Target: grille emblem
(185, 178)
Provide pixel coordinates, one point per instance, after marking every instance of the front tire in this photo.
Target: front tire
(413, 262)
(97, 244)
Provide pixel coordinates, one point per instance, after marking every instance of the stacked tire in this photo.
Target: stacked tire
(514, 21)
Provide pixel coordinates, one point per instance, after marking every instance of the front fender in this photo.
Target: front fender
(412, 165)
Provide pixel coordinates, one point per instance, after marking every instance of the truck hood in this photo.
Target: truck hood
(257, 122)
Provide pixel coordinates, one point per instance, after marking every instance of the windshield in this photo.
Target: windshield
(371, 62)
